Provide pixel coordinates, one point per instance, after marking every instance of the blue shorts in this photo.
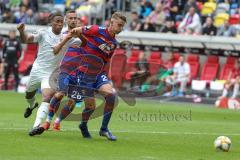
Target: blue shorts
(93, 82)
(81, 86)
(64, 80)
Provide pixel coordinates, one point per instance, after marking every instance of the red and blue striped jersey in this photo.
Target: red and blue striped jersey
(92, 57)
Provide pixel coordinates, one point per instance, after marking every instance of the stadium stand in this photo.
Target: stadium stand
(121, 69)
(154, 62)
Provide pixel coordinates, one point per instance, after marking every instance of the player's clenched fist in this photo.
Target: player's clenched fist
(21, 27)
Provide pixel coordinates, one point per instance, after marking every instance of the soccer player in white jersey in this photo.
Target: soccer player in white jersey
(73, 44)
(45, 63)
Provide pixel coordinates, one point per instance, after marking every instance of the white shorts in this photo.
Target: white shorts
(38, 79)
(172, 81)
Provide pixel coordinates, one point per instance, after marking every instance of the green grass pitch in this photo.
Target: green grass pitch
(186, 133)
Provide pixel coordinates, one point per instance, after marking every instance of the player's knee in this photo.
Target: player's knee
(112, 99)
(90, 105)
(30, 95)
(59, 95)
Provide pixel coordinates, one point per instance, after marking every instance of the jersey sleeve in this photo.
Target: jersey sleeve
(74, 41)
(90, 30)
(37, 36)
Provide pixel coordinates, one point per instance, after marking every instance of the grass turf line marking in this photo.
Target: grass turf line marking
(140, 132)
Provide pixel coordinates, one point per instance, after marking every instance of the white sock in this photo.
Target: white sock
(31, 102)
(225, 92)
(41, 114)
(235, 90)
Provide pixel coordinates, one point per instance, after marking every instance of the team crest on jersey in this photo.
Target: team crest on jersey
(106, 47)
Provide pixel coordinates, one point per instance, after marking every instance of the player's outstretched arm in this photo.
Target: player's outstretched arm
(77, 31)
(58, 47)
(23, 36)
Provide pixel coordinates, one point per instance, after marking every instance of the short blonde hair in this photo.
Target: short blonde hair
(119, 15)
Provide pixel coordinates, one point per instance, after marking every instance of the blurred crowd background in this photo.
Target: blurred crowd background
(190, 17)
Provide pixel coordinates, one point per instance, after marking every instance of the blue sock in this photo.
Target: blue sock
(106, 119)
(108, 109)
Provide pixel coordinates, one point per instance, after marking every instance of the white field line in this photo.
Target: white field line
(138, 132)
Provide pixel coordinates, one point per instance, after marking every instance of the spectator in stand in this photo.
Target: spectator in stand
(166, 5)
(145, 9)
(135, 22)
(21, 14)
(226, 30)
(41, 19)
(191, 21)
(47, 1)
(59, 5)
(8, 17)
(174, 9)
(2, 9)
(169, 26)
(147, 26)
(233, 81)
(142, 71)
(157, 17)
(209, 28)
(25, 3)
(30, 18)
(188, 5)
(181, 74)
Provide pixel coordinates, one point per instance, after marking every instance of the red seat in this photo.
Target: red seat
(209, 71)
(226, 69)
(32, 47)
(230, 60)
(154, 62)
(130, 67)
(135, 52)
(192, 58)
(175, 57)
(27, 61)
(154, 65)
(118, 63)
(119, 51)
(194, 68)
(234, 19)
(193, 61)
(155, 55)
(213, 59)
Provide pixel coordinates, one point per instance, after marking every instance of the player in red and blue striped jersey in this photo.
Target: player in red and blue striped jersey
(87, 69)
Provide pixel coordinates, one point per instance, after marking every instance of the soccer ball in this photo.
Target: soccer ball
(222, 143)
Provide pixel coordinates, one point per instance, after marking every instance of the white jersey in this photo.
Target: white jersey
(73, 41)
(181, 70)
(46, 60)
